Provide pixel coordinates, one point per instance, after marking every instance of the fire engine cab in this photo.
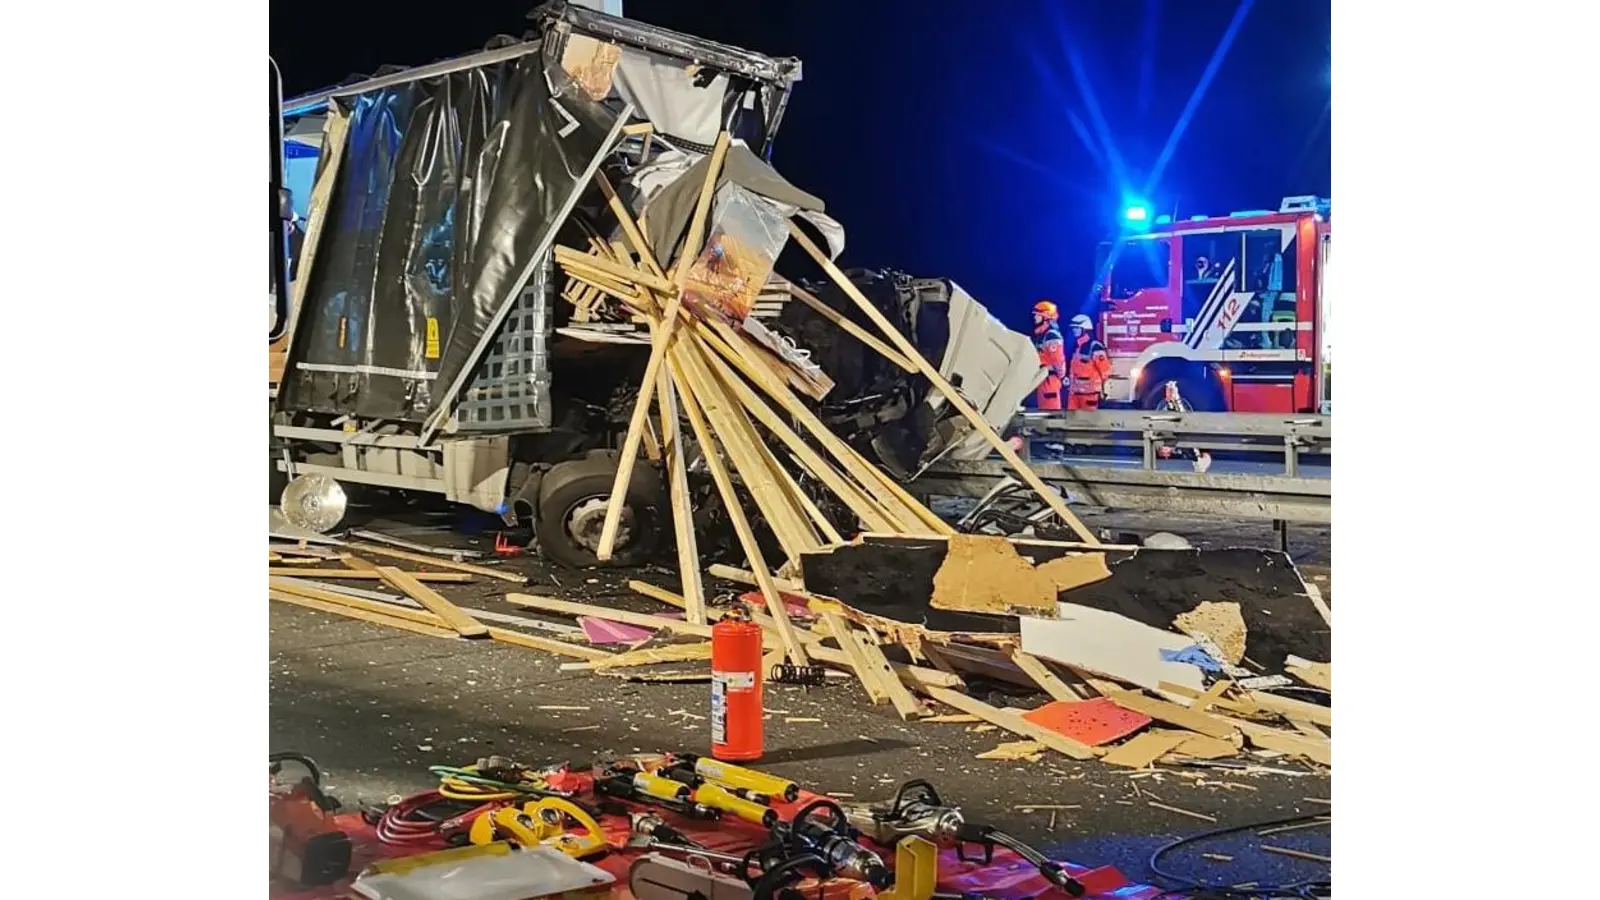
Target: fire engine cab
(1234, 309)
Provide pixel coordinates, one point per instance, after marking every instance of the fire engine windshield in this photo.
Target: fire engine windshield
(1135, 266)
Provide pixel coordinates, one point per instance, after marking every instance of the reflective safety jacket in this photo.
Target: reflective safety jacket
(1089, 367)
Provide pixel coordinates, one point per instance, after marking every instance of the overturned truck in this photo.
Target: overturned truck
(433, 342)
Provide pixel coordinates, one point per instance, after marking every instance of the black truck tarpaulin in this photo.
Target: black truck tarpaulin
(448, 189)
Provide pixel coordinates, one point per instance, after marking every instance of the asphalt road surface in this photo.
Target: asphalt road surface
(376, 707)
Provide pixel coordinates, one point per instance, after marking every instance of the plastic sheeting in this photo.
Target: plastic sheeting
(448, 189)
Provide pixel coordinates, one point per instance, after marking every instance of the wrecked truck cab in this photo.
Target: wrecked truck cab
(895, 413)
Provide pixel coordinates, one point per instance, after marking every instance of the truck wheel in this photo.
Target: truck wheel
(572, 512)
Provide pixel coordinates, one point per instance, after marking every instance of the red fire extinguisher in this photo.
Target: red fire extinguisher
(736, 688)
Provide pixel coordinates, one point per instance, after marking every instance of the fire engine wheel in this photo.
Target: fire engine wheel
(572, 512)
(1199, 395)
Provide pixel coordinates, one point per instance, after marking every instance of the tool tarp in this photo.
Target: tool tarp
(448, 189)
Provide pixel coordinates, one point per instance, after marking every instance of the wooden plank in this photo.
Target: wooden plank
(899, 510)
(1292, 709)
(1041, 674)
(736, 516)
(630, 228)
(914, 677)
(745, 576)
(453, 615)
(654, 655)
(1315, 674)
(548, 645)
(352, 561)
(1212, 695)
(1173, 714)
(1145, 748)
(1286, 742)
(687, 545)
(858, 660)
(1011, 722)
(361, 615)
(657, 593)
(661, 337)
(418, 616)
(738, 441)
(363, 575)
(1200, 746)
(436, 562)
(906, 705)
(660, 341)
(1051, 497)
(643, 620)
(617, 272)
(849, 327)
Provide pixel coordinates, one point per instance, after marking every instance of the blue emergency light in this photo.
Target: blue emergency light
(1136, 213)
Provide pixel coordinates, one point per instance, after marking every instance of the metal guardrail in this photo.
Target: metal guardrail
(1288, 437)
(1278, 498)
(1291, 495)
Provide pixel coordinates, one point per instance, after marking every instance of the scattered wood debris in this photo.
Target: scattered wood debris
(1297, 854)
(1181, 811)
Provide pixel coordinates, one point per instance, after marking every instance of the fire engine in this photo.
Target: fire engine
(1233, 309)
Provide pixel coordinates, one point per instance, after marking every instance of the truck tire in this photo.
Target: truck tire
(571, 513)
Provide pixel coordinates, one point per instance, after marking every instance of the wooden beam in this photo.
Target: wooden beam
(661, 339)
(850, 327)
(579, 261)
(453, 615)
(630, 228)
(688, 547)
(361, 615)
(354, 574)
(900, 509)
(1172, 713)
(436, 562)
(643, 620)
(548, 645)
(1046, 679)
(906, 705)
(853, 496)
(658, 593)
(858, 661)
(741, 525)
(1051, 497)
(747, 577)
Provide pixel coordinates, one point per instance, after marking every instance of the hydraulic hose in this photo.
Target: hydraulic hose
(408, 823)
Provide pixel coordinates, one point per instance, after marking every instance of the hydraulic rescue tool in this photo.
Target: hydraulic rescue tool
(307, 850)
(748, 805)
(541, 822)
(731, 776)
(917, 810)
(626, 780)
(819, 839)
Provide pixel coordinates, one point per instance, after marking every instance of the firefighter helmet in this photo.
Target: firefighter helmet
(1081, 321)
(1046, 308)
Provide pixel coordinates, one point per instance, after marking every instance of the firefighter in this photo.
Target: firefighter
(1088, 368)
(1052, 354)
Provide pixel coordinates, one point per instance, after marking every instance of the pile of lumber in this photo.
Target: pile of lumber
(742, 406)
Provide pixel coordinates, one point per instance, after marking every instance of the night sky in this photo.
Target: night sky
(945, 134)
